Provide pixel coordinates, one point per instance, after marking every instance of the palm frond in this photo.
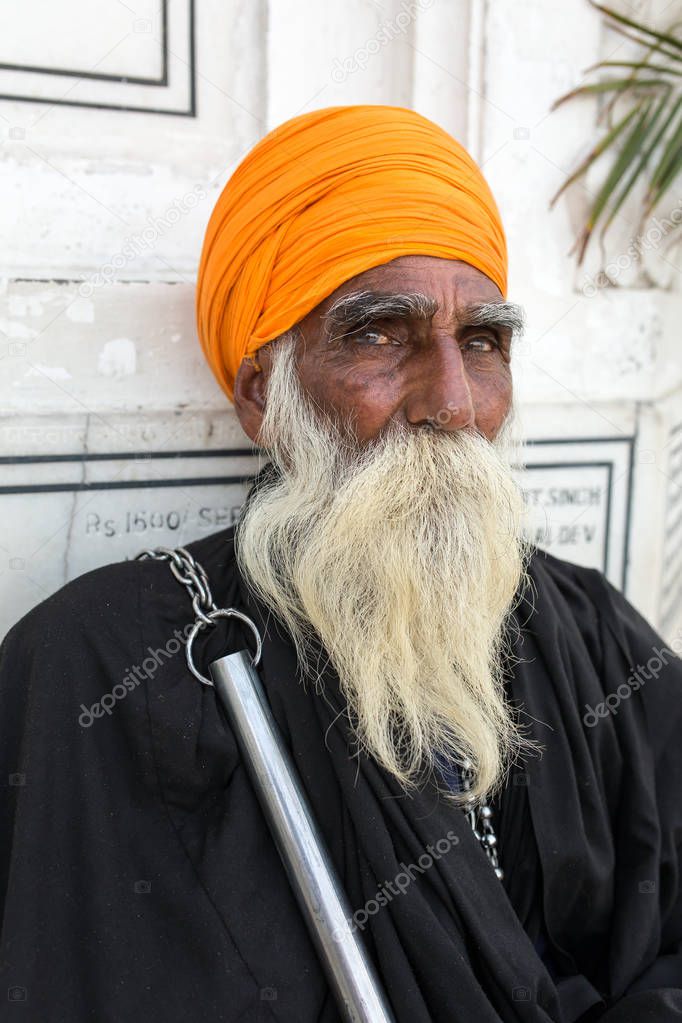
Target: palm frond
(650, 140)
(624, 160)
(668, 168)
(595, 153)
(677, 72)
(662, 37)
(645, 141)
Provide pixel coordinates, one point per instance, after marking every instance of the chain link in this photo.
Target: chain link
(193, 577)
(188, 572)
(480, 819)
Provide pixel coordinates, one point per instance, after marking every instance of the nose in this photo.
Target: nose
(439, 393)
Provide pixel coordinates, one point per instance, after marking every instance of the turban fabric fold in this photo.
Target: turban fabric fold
(322, 198)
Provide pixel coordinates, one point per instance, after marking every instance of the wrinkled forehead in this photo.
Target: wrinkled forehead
(446, 283)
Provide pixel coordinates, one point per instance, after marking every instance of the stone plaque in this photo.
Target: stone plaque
(67, 514)
(578, 494)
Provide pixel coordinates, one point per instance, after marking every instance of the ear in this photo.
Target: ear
(249, 394)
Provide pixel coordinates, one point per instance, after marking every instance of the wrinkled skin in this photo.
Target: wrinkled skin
(441, 372)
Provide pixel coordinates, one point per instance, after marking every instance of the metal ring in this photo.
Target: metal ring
(222, 612)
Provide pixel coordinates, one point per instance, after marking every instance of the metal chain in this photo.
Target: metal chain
(480, 819)
(188, 572)
(193, 577)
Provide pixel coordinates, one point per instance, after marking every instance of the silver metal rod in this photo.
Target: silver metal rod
(307, 861)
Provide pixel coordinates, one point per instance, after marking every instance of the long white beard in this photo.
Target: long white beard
(402, 557)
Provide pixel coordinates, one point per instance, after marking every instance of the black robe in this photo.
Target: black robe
(140, 882)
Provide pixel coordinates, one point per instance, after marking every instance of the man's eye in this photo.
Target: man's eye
(373, 338)
(482, 343)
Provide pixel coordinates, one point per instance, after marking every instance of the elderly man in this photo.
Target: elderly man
(507, 833)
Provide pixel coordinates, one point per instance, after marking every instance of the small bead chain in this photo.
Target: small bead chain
(480, 819)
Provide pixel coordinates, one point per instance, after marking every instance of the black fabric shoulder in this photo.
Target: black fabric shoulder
(574, 584)
(571, 579)
(89, 596)
(645, 653)
(49, 655)
(591, 594)
(98, 900)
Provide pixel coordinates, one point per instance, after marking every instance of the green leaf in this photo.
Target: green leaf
(657, 48)
(668, 168)
(651, 129)
(646, 152)
(596, 152)
(652, 49)
(662, 37)
(674, 144)
(623, 161)
(643, 64)
(611, 84)
(673, 171)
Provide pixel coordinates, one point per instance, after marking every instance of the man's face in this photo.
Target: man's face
(402, 555)
(370, 359)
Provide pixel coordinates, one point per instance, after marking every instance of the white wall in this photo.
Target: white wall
(114, 435)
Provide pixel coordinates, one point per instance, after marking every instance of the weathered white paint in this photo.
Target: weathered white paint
(104, 213)
(117, 358)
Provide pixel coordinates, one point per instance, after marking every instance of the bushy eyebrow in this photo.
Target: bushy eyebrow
(361, 308)
(503, 315)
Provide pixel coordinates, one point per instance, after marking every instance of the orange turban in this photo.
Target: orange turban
(323, 197)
